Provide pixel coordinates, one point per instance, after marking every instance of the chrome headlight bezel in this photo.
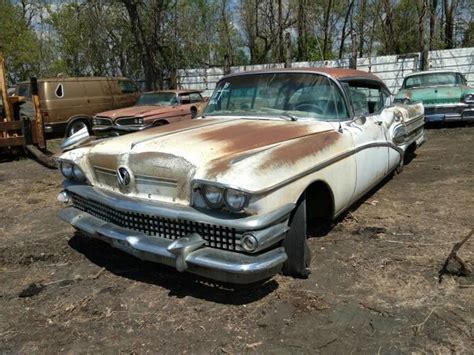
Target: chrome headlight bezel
(226, 193)
(71, 171)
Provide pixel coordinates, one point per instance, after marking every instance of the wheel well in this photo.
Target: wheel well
(319, 202)
(160, 123)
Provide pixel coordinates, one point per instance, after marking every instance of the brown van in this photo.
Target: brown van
(68, 104)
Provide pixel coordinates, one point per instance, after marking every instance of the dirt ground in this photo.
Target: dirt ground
(373, 289)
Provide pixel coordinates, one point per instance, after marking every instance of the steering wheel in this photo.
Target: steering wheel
(309, 108)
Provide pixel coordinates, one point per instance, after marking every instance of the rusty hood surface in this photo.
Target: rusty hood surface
(142, 111)
(240, 152)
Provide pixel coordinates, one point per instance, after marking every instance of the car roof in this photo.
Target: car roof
(336, 73)
(432, 72)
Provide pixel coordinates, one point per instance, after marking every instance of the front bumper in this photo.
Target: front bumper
(445, 113)
(188, 253)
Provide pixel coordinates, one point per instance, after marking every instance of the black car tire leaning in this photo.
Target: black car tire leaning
(296, 244)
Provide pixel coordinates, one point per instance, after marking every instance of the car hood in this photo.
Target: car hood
(434, 95)
(231, 151)
(133, 111)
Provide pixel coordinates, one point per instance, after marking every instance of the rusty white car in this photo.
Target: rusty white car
(228, 196)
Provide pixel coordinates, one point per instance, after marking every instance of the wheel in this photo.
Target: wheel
(296, 245)
(309, 108)
(75, 126)
(194, 112)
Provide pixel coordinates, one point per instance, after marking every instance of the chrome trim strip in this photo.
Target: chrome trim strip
(212, 263)
(453, 105)
(175, 211)
(156, 179)
(105, 171)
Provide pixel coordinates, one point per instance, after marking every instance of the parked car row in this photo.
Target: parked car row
(70, 104)
(115, 106)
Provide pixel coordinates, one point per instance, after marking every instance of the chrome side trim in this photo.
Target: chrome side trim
(175, 211)
(330, 162)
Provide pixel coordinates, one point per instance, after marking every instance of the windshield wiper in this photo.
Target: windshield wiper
(288, 117)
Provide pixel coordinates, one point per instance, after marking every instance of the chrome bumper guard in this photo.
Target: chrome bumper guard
(187, 253)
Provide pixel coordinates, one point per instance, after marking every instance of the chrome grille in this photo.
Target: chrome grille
(102, 121)
(215, 236)
(126, 121)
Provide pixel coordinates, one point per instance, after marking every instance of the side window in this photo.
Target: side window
(184, 99)
(59, 92)
(195, 97)
(127, 87)
(367, 99)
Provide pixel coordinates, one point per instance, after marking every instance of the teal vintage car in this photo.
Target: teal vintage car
(445, 95)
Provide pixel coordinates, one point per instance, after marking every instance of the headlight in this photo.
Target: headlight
(66, 169)
(138, 120)
(235, 199)
(469, 98)
(399, 135)
(77, 174)
(213, 195)
(95, 121)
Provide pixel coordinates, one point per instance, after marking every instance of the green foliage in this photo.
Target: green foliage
(18, 42)
(99, 37)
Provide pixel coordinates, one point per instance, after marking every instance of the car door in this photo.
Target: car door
(369, 134)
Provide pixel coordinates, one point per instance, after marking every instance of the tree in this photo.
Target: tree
(18, 42)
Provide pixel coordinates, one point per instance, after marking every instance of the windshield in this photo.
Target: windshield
(433, 79)
(295, 95)
(157, 99)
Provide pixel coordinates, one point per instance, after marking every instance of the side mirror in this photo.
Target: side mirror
(80, 137)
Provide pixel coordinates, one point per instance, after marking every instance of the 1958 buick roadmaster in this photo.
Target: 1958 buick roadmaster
(227, 196)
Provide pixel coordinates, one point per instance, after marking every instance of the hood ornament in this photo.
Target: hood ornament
(123, 176)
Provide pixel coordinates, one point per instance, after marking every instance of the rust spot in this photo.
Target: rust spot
(290, 153)
(287, 153)
(248, 135)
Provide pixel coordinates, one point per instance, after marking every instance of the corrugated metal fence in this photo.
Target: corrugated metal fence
(392, 69)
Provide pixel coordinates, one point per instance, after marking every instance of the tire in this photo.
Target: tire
(194, 112)
(76, 126)
(296, 245)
